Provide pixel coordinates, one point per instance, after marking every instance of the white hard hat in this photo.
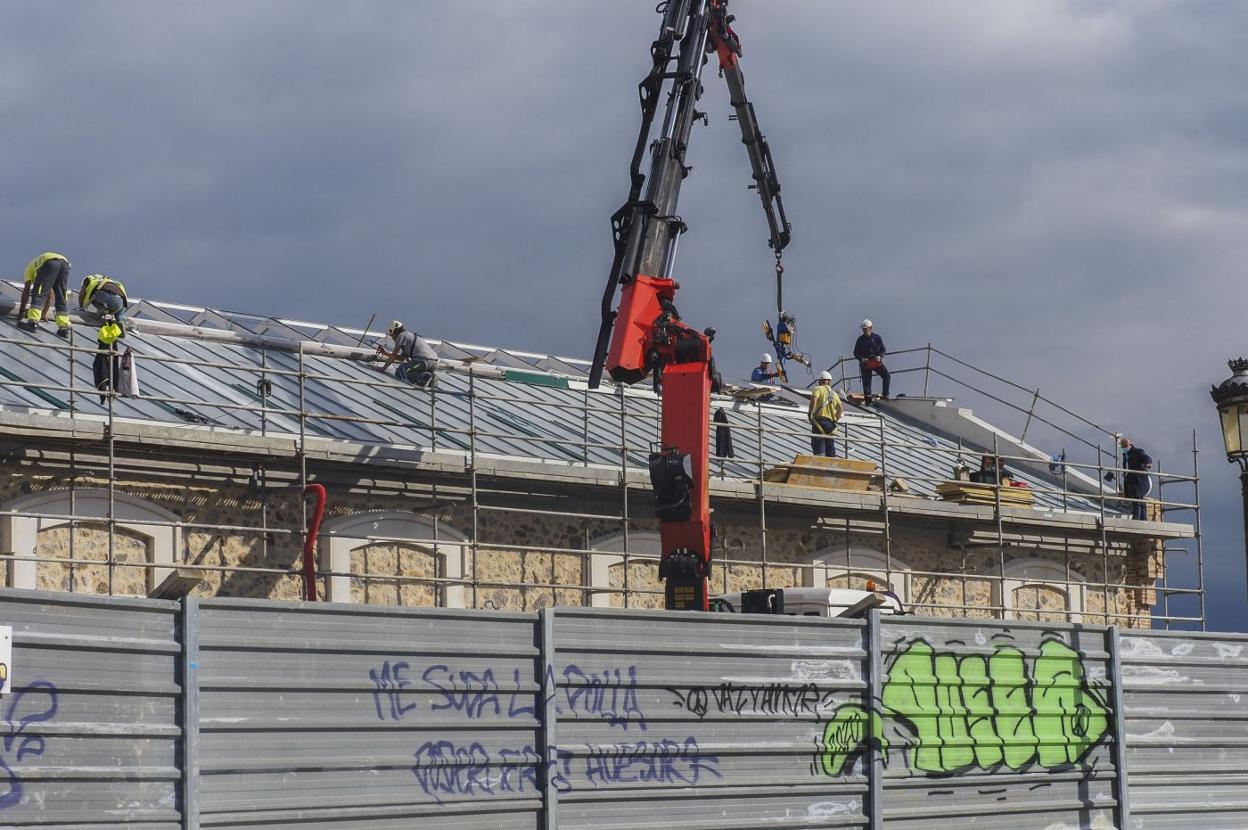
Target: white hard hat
(865, 324)
(394, 326)
(765, 358)
(825, 376)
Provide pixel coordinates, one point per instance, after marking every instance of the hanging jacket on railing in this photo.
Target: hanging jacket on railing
(129, 385)
(723, 435)
(106, 368)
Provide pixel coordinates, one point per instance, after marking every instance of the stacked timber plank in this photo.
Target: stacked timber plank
(827, 473)
(968, 492)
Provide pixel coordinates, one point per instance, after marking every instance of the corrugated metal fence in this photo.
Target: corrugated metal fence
(306, 715)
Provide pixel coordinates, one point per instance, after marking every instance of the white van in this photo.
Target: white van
(808, 602)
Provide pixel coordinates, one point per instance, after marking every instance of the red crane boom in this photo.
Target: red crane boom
(646, 335)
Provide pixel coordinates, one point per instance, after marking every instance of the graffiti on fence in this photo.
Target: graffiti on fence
(32, 705)
(971, 711)
(773, 699)
(444, 768)
(608, 694)
(660, 762)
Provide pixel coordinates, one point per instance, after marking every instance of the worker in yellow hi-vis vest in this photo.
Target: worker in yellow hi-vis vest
(48, 272)
(105, 297)
(824, 414)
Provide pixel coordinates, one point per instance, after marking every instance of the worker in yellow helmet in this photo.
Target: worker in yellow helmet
(48, 272)
(105, 296)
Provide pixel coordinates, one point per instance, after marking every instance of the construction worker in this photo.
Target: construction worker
(869, 350)
(419, 359)
(1137, 484)
(47, 273)
(824, 414)
(106, 297)
(763, 372)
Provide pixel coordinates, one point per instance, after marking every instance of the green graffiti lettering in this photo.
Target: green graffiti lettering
(976, 712)
(846, 735)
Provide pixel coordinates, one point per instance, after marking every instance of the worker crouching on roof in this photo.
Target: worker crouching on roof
(420, 361)
(763, 373)
(824, 414)
(105, 297)
(48, 272)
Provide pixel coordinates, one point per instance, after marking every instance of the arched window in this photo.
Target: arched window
(1038, 589)
(393, 558)
(144, 535)
(606, 570)
(855, 566)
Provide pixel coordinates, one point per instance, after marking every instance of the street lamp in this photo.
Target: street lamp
(1231, 398)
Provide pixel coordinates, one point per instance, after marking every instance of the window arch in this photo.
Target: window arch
(1040, 589)
(143, 531)
(608, 556)
(399, 542)
(852, 567)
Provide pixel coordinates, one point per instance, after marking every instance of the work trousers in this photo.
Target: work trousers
(416, 371)
(52, 276)
(866, 379)
(821, 441)
(1138, 486)
(106, 302)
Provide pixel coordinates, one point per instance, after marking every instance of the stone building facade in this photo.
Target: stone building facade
(407, 544)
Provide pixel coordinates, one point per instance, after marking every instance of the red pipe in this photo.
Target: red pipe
(309, 542)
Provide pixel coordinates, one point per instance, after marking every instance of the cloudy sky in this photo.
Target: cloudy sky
(1055, 190)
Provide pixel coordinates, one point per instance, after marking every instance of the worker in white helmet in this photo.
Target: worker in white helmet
(824, 413)
(869, 350)
(763, 373)
(419, 360)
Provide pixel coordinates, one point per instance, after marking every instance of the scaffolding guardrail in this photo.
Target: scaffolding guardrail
(868, 438)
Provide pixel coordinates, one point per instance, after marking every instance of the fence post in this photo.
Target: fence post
(190, 713)
(875, 691)
(549, 719)
(1122, 786)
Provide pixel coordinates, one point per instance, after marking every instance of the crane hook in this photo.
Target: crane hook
(779, 283)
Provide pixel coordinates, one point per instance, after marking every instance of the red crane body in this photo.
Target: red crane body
(646, 334)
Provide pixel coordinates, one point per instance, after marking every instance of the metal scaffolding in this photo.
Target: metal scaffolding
(978, 561)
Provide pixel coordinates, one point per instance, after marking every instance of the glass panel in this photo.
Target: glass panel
(1231, 429)
(1241, 435)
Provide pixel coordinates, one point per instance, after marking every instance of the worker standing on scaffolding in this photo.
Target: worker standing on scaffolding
(1137, 483)
(47, 274)
(869, 350)
(419, 359)
(824, 413)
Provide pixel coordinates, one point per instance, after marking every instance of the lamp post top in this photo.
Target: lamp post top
(1235, 387)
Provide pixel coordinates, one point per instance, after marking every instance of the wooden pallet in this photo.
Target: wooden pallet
(967, 492)
(826, 473)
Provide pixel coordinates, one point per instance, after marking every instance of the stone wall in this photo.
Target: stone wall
(520, 561)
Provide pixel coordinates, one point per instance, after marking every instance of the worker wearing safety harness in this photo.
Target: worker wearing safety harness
(48, 272)
(106, 297)
(824, 414)
(419, 358)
